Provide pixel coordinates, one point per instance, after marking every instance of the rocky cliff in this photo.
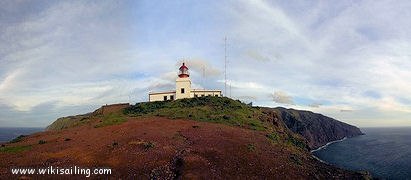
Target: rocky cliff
(316, 128)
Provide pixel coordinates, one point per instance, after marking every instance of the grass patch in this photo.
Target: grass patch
(14, 149)
(296, 142)
(251, 147)
(294, 158)
(148, 145)
(18, 139)
(111, 119)
(207, 109)
(70, 121)
(273, 137)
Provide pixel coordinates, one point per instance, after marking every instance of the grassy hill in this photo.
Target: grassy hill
(220, 110)
(205, 137)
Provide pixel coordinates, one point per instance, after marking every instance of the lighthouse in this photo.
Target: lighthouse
(183, 83)
(183, 88)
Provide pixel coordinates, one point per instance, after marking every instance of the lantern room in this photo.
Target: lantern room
(183, 71)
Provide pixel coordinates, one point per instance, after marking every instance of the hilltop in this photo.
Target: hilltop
(207, 137)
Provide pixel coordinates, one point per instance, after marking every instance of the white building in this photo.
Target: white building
(183, 89)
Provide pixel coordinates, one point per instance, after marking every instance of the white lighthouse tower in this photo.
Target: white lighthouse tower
(183, 83)
(183, 89)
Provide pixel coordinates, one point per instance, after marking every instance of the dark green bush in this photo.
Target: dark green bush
(18, 139)
(148, 145)
(251, 147)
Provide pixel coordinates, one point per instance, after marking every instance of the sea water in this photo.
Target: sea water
(384, 152)
(7, 134)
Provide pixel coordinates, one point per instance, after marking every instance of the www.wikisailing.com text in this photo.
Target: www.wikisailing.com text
(87, 172)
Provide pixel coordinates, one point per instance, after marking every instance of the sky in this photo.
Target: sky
(347, 59)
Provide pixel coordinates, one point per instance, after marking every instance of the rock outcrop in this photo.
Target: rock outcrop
(316, 128)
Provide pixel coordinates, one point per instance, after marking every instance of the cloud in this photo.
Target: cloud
(315, 105)
(346, 55)
(282, 98)
(257, 56)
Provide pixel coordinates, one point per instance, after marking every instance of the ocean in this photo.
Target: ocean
(7, 134)
(384, 152)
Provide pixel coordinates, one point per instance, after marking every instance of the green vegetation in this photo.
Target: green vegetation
(296, 142)
(18, 139)
(208, 109)
(251, 147)
(205, 109)
(68, 122)
(294, 158)
(14, 149)
(273, 137)
(148, 145)
(111, 119)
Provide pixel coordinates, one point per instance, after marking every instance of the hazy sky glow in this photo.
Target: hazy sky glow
(348, 59)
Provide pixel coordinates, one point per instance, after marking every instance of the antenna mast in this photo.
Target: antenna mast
(204, 76)
(225, 66)
(230, 89)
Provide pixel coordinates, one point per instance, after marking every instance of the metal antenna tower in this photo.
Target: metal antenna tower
(225, 66)
(230, 89)
(204, 76)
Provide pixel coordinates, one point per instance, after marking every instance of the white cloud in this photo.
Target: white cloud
(323, 56)
(282, 98)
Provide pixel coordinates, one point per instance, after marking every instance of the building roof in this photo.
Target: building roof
(205, 90)
(183, 66)
(165, 92)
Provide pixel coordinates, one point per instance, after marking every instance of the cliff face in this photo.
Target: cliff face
(316, 128)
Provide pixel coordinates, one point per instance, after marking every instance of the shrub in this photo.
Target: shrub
(148, 145)
(18, 139)
(250, 147)
(273, 136)
(295, 159)
(296, 142)
(42, 142)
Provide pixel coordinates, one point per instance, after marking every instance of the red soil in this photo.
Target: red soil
(182, 149)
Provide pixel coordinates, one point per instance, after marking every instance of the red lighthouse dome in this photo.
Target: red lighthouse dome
(183, 71)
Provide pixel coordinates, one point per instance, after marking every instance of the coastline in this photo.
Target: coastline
(9, 133)
(324, 146)
(329, 143)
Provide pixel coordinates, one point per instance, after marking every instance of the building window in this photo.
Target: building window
(195, 95)
(182, 90)
(172, 97)
(202, 95)
(165, 98)
(209, 95)
(216, 95)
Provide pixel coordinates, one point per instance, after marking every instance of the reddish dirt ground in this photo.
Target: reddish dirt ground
(166, 149)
